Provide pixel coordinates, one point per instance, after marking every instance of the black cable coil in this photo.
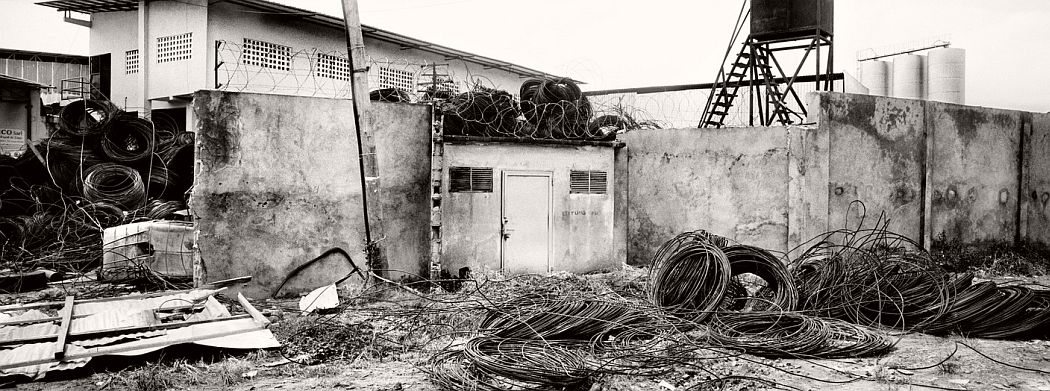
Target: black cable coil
(116, 184)
(86, 117)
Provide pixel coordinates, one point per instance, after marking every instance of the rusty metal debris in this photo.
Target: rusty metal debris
(42, 337)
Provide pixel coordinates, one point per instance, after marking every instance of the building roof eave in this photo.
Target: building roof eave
(92, 6)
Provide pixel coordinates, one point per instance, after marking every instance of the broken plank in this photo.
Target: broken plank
(63, 328)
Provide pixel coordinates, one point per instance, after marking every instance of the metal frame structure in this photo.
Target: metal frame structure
(770, 86)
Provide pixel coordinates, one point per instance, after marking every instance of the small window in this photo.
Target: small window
(174, 47)
(266, 55)
(131, 62)
(470, 179)
(333, 67)
(588, 182)
(397, 78)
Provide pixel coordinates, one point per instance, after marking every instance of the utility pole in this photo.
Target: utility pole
(366, 146)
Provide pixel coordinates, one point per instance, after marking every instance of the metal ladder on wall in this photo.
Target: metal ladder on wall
(429, 89)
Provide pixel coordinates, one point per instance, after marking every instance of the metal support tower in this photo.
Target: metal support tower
(759, 71)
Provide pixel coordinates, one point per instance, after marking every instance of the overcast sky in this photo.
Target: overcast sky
(621, 43)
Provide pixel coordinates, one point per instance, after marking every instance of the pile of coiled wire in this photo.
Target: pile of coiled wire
(748, 298)
(548, 108)
(831, 300)
(482, 112)
(555, 108)
(102, 168)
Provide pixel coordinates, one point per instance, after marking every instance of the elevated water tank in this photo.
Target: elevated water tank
(946, 75)
(875, 76)
(791, 18)
(908, 76)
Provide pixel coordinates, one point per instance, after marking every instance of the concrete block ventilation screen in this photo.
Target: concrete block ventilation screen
(397, 78)
(333, 67)
(470, 179)
(174, 47)
(266, 55)
(448, 86)
(131, 62)
(588, 182)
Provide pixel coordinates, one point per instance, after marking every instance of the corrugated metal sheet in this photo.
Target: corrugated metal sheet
(39, 352)
(243, 332)
(135, 305)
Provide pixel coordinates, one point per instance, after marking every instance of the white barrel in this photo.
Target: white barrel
(875, 76)
(908, 76)
(947, 75)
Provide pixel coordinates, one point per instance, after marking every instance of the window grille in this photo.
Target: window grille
(470, 179)
(397, 78)
(588, 182)
(333, 67)
(131, 62)
(266, 55)
(174, 47)
(448, 86)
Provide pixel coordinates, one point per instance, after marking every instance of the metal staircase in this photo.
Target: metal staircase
(750, 67)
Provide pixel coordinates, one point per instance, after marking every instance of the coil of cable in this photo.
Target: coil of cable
(116, 184)
(86, 117)
(779, 282)
(128, 139)
(481, 112)
(556, 108)
(689, 277)
(793, 335)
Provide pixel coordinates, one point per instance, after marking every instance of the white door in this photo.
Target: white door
(526, 222)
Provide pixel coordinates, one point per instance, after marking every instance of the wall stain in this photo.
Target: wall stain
(218, 137)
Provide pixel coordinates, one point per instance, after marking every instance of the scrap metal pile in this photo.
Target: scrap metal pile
(550, 108)
(708, 299)
(102, 168)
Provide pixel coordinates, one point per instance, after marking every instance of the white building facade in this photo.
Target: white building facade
(155, 54)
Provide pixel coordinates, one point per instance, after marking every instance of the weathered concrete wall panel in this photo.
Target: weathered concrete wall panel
(732, 182)
(877, 154)
(583, 223)
(974, 172)
(403, 148)
(278, 183)
(808, 171)
(1035, 194)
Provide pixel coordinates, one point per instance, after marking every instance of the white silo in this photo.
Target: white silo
(946, 79)
(875, 76)
(908, 76)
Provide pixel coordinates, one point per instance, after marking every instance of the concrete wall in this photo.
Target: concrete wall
(583, 223)
(1034, 224)
(928, 170)
(116, 33)
(973, 172)
(171, 78)
(732, 182)
(278, 184)
(403, 148)
(888, 134)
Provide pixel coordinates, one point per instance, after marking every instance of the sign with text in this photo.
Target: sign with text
(12, 140)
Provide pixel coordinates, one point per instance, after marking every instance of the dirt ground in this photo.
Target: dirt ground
(918, 362)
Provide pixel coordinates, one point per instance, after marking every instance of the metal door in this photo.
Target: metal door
(526, 222)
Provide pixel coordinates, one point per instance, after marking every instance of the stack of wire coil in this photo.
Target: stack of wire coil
(103, 167)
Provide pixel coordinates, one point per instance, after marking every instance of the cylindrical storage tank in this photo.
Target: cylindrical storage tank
(946, 79)
(875, 76)
(908, 76)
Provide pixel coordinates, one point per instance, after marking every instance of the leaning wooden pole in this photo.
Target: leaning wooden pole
(366, 146)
